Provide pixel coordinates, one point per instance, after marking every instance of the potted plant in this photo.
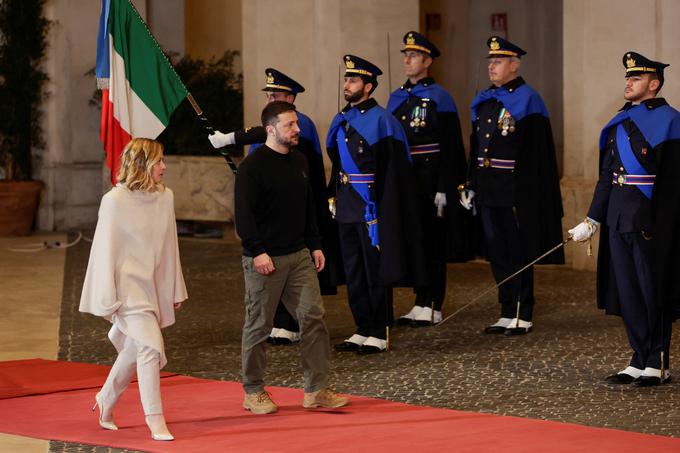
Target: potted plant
(23, 33)
(201, 180)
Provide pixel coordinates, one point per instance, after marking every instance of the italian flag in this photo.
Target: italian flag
(140, 89)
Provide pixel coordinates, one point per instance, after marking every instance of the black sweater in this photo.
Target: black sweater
(274, 204)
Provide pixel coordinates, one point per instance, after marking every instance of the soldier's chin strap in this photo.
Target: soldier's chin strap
(510, 277)
(208, 127)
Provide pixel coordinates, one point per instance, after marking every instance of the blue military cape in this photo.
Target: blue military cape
(373, 125)
(432, 91)
(520, 102)
(402, 262)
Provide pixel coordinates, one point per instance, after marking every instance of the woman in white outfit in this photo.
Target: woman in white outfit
(134, 280)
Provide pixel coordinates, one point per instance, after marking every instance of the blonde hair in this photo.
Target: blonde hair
(139, 157)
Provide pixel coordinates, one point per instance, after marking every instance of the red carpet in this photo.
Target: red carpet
(206, 416)
(38, 377)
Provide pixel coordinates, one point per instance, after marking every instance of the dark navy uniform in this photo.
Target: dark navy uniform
(628, 202)
(372, 183)
(513, 172)
(309, 145)
(429, 117)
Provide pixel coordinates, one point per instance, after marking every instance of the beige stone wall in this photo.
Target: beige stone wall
(453, 41)
(594, 81)
(166, 18)
(306, 39)
(213, 26)
(203, 188)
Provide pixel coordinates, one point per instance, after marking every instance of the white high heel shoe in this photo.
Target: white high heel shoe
(166, 436)
(104, 424)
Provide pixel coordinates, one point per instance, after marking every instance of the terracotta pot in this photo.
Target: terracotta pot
(18, 206)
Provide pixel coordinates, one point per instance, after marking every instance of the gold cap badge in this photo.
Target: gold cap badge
(270, 78)
(410, 40)
(349, 64)
(630, 62)
(493, 45)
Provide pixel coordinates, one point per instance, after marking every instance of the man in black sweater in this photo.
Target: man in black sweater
(275, 219)
(280, 87)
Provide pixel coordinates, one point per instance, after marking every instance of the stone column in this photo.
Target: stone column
(70, 164)
(596, 35)
(212, 27)
(166, 19)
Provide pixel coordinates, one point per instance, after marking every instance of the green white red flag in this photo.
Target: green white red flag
(140, 89)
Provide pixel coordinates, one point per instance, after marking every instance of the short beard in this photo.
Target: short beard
(354, 97)
(280, 140)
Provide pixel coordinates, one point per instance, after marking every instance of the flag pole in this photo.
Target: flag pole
(208, 127)
(199, 112)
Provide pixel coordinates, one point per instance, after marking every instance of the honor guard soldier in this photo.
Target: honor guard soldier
(429, 117)
(513, 182)
(636, 206)
(374, 205)
(280, 87)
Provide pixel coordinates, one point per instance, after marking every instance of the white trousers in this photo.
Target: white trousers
(135, 356)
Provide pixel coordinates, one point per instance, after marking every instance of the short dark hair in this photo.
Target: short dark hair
(659, 78)
(272, 110)
(373, 81)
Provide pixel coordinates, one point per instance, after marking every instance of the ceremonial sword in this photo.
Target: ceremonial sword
(491, 288)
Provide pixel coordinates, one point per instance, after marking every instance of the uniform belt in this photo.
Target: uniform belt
(357, 178)
(505, 164)
(424, 149)
(633, 180)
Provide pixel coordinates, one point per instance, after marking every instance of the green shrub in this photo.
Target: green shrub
(218, 90)
(23, 42)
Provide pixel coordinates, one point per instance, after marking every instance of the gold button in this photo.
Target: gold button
(489, 120)
(487, 163)
(486, 150)
(620, 168)
(487, 135)
(346, 140)
(403, 117)
(510, 90)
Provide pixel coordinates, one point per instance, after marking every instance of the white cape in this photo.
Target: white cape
(134, 275)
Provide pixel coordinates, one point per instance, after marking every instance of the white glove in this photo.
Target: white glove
(466, 197)
(220, 140)
(440, 199)
(440, 203)
(584, 230)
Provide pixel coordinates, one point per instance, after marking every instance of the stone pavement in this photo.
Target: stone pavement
(554, 373)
